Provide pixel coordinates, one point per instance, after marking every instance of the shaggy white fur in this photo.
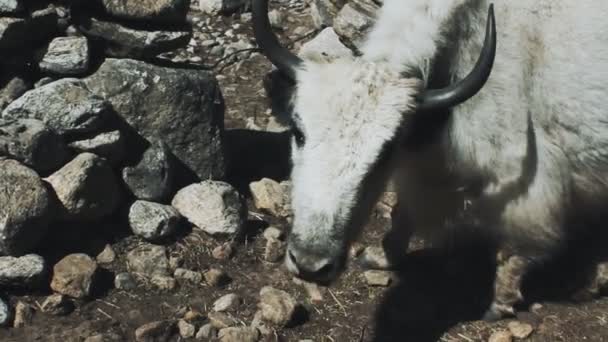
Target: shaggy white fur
(518, 159)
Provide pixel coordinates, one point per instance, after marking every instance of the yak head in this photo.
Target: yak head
(348, 117)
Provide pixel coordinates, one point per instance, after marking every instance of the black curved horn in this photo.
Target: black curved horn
(465, 89)
(282, 58)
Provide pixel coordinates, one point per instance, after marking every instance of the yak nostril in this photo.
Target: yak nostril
(325, 270)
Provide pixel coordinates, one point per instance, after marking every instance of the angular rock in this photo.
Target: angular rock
(25, 207)
(126, 42)
(86, 188)
(226, 302)
(11, 88)
(109, 145)
(277, 306)
(106, 256)
(152, 178)
(66, 56)
(148, 260)
(5, 313)
(74, 275)
(32, 143)
(23, 314)
(186, 330)
(273, 233)
(377, 278)
(66, 106)
(374, 257)
(188, 275)
(184, 108)
(271, 196)
(239, 334)
(325, 46)
(206, 332)
(355, 20)
(10, 6)
(153, 221)
(25, 271)
(161, 11)
(57, 305)
(155, 331)
(213, 206)
(124, 281)
(18, 35)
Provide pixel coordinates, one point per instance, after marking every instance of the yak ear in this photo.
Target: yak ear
(280, 91)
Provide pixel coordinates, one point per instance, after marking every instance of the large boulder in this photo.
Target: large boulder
(66, 56)
(184, 108)
(25, 208)
(66, 106)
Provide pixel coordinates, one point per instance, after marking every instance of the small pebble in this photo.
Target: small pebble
(125, 281)
(226, 302)
(377, 278)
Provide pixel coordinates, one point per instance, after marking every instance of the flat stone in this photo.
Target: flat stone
(126, 42)
(213, 206)
(65, 105)
(74, 275)
(25, 271)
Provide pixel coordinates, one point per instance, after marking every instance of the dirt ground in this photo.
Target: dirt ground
(437, 296)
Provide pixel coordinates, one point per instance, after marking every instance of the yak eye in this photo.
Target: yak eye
(298, 136)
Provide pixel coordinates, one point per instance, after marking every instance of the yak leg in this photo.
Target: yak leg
(507, 286)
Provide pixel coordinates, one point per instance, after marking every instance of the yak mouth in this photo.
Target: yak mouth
(325, 276)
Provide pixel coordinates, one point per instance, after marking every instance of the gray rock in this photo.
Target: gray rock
(43, 81)
(155, 331)
(277, 306)
(153, 221)
(86, 188)
(33, 144)
(18, 34)
(148, 260)
(109, 145)
(226, 302)
(182, 107)
(122, 41)
(12, 88)
(152, 178)
(10, 6)
(355, 20)
(25, 271)
(213, 206)
(163, 11)
(66, 106)
(5, 313)
(74, 275)
(377, 278)
(325, 46)
(239, 334)
(125, 281)
(66, 56)
(57, 305)
(25, 207)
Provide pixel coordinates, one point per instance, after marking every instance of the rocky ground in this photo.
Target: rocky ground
(202, 261)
